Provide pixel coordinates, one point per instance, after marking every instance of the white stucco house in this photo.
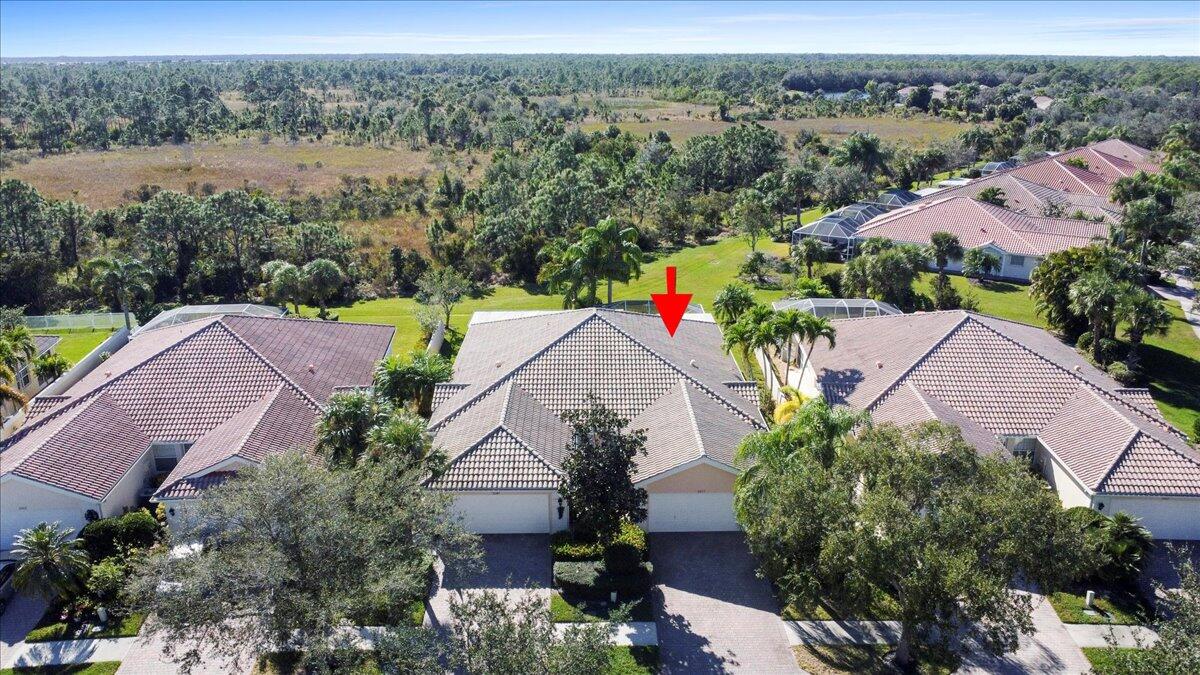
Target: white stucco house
(499, 419)
(178, 409)
(1016, 389)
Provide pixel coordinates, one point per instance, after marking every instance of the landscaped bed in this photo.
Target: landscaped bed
(587, 574)
(1110, 608)
(53, 627)
(587, 611)
(1102, 658)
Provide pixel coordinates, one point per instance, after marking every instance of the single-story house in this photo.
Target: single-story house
(1015, 388)
(499, 420)
(836, 308)
(1032, 199)
(1019, 240)
(28, 383)
(176, 410)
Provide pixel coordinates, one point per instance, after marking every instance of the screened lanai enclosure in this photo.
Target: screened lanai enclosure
(173, 317)
(837, 308)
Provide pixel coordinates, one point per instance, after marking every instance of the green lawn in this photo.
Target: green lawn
(97, 668)
(634, 661)
(49, 628)
(1173, 364)
(1119, 609)
(1102, 659)
(702, 271)
(76, 344)
(587, 612)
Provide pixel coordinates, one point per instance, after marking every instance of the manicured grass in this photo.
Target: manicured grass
(97, 668)
(565, 611)
(998, 298)
(288, 663)
(1103, 658)
(75, 345)
(702, 271)
(49, 628)
(1113, 609)
(634, 660)
(1172, 362)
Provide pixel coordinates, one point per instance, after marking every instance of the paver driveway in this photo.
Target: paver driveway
(714, 614)
(518, 561)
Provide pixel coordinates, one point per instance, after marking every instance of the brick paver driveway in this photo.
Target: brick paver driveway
(713, 614)
(517, 561)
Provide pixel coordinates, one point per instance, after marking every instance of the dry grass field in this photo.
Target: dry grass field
(102, 178)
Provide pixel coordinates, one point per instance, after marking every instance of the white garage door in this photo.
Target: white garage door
(19, 519)
(691, 512)
(504, 514)
(1165, 518)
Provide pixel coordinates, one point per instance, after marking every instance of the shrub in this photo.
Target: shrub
(100, 538)
(137, 529)
(107, 537)
(591, 580)
(1084, 342)
(104, 584)
(1110, 350)
(627, 550)
(1121, 373)
(564, 547)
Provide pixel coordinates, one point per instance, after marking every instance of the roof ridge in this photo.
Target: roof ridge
(670, 364)
(503, 428)
(1105, 394)
(919, 360)
(1117, 460)
(267, 362)
(691, 413)
(540, 312)
(74, 401)
(434, 426)
(298, 319)
(1016, 233)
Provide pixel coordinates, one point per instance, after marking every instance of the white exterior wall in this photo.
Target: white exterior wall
(125, 495)
(510, 512)
(1165, 517)
(1070, 491)
(24, 504)
(690, 512)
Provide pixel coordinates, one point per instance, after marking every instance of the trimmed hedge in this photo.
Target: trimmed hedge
(591, 580)
(564, 548)
(627, 550)
(107, 537)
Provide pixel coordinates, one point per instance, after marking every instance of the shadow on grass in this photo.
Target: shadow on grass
(1174, 378)
(1002, 287)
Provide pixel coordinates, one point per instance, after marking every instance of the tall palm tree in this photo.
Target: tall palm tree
(343, 429)
(17, 348)
(812, 329)
(124, 279)
(731, 302)
(1094, 297)
(737, 335)
(865, 151)
(50, 561)
(411, 377)
(943, 247)
(810, 251)
(1143, 315)
(618, 256)
(787, 325)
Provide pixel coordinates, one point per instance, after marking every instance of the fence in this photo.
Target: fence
(107, 321)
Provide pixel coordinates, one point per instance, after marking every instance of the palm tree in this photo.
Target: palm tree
(17, 348)
(810, 251)
(618, 256)
(50, 562)
(731, 302)
(283, 283)
(343, 429)
(50, 367)
(1094, 297)
(763, 335)
(942, 248)
(785, 411)
(1143, 315)
(815, 328)
(403, 434)
(862, 150)
(1125, 545)
(124, 279)
(411, 377)
(787, 325)
(323, 279)
(739, 335)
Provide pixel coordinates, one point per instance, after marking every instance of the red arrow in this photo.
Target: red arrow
(671, 305)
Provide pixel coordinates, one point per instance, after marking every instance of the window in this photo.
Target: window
(167, 455)
(1016, 260)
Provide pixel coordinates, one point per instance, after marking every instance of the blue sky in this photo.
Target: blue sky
(143, 28)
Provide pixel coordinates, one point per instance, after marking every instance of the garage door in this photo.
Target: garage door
(691, 512)
(1166, 518)
(504, 514)
(12, 522)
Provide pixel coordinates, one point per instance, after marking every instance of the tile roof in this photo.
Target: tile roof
(978, 224)
(1001, 378)
(500, 461)
(194, 486)
(1029, 198)
(559, 361)
(184, 382)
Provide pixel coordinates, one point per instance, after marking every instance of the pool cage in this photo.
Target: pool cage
(837, 308)
(647, 307)
(174, 317)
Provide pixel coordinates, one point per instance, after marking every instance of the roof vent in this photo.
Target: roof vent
(498, 363)
(108, 373)
(879, 364)
(312, 367)
(1077, 368)
(693, 363)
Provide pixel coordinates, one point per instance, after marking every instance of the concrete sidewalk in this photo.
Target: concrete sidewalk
(1184, 293)
(19, 617)
(71, 652)
(1097, 635)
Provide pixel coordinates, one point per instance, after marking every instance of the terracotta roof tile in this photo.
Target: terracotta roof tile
(499, 461)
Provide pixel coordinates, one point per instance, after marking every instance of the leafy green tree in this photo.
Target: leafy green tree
(175, 231)
(979, 264)
(600, 463)
(442, 287)
(843, 185)
(50, 562)
(73, 222)
(241, 225)
(731, 302)
(322, 279)
(409, 378)
(125, 279)
(1052, 279)
(926, 518)
(283, 283)
(25, 226)
(296, 552)
(751, 217)
(888, 275)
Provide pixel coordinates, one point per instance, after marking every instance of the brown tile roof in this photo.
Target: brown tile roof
(559, 361)
(498, 462)
(184, 382)
(1003, 378)
(978, 224)
(192, 487)
(1029, 198)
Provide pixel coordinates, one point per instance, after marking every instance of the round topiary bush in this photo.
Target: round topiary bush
(1084, 342)
(1120, 372)
(1110, 350)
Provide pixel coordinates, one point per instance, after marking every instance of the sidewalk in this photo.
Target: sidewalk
(842, 632)
(71, 652)
(1184, 293)
(19, 617)
(1096, 635)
